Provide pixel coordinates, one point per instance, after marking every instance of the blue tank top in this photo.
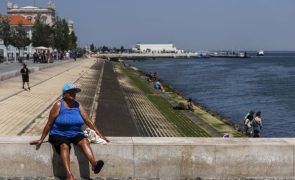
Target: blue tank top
(68, 122)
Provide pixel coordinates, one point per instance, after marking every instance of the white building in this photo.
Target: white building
(47, 15)
(155, 48)
(27, 15)
(12, 52)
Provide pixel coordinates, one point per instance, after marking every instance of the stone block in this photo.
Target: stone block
(118, 159)
(254, 160)
(24, 160)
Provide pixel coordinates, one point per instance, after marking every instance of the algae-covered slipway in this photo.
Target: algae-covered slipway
(141, 98)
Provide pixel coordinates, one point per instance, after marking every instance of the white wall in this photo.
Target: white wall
(164, 158)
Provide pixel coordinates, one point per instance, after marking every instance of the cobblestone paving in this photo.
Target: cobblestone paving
(19, 110)
(88, 84)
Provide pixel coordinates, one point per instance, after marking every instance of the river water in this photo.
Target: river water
(231, 87)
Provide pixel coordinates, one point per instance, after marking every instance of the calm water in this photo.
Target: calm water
(231, 87)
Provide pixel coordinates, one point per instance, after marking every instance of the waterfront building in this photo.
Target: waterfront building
(47, 15)
(155, 48)
(27, 24)
(27, 15)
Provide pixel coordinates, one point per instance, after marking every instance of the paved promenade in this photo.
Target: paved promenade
(113, 116)
(19, 108)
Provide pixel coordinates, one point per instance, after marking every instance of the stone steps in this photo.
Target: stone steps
(150, 122)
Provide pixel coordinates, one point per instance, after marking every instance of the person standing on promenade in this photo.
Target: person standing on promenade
(25, 76)
(248, 122)
(257, 125)
(64, 127)
(35, 57)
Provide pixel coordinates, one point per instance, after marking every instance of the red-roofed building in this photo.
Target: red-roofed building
(17, 19)
(26, 16)
(12, 52)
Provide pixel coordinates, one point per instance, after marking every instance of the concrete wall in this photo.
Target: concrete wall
(165, 158)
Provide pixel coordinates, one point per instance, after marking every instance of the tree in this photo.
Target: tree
(5, 32)
(104, 49)
(61, 34)
(122, 49)
(42, 34)
(92, 47)
(73, 41)
(19, 38)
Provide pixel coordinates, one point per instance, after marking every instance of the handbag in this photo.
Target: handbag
(93, 137)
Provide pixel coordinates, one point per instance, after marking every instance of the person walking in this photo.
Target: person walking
(25, 76)
(64, 127)
(257, 125)
(248, 122)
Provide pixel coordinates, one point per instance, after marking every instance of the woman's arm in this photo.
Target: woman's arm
(90, 124)
(52, 116)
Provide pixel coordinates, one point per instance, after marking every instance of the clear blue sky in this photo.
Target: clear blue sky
(189, 24)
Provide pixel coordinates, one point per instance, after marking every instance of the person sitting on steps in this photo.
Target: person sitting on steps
(190, 105)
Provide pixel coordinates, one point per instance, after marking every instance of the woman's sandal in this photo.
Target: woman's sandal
(97, 168)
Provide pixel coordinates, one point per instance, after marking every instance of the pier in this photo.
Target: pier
(118, 56)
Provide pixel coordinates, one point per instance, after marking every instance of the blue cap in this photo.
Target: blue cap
(70, 86)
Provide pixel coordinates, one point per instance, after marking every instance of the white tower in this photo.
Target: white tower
(9, 5)
(51, 5)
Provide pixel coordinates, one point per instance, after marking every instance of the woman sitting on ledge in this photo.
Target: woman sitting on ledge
(64, 126)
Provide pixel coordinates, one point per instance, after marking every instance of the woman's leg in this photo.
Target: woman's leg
(84, 144)
(65, 157)
(28, 85)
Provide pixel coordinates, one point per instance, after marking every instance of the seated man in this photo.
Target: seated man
(190, 104)
(158, 85)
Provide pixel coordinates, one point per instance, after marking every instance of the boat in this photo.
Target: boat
(229, 54)
(260, 53)
(202, 55)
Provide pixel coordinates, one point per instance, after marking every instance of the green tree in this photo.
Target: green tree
(104, 49)
(73, 41)
(61, 34)
(92, 47)
(42, 34)
(5, 32)
(122, 49)
(19, 38)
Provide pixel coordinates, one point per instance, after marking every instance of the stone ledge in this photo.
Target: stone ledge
(164, 158)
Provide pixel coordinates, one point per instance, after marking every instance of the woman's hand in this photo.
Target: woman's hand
(37, 142)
